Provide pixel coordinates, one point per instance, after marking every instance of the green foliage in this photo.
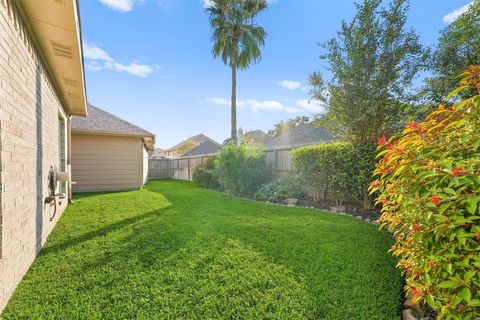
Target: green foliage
(242, 169)
(236, 36)
(174, 250)
(285, 126)
(204, 174)
(458, 48)
(373, 61)
(429, 185)
(337, 169)
(279, 190)
(362, 166)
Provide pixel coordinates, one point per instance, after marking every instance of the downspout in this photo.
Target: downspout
(69, 158)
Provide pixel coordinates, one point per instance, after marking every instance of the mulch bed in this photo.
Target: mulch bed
(350, 208)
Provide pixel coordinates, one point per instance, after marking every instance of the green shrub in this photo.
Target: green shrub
(280, 190)
(204, 174)
(242, 169)
(361, 171)
(337, 169)
(429, 185)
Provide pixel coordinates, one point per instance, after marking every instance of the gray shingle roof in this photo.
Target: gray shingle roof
(101, 121)
(158, 153)
(303, 135)
(207, 147)
(198, 139)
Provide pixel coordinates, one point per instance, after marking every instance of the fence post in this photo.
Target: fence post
(275, 160)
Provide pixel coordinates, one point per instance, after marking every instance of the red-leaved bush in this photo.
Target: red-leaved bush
(428, 182)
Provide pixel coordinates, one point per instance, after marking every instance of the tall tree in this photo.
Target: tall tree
(237, 39)
(458, 48)
(372, 60)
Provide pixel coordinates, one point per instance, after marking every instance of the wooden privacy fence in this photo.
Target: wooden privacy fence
(182, 168)
(179, 169)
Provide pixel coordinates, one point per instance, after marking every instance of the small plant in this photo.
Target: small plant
(280, 190)
(205, 176)
(429, 187)
(242, 169)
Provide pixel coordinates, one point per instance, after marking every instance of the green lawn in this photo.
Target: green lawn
(176, 251)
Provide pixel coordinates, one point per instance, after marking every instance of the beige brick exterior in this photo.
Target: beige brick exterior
(29, 144)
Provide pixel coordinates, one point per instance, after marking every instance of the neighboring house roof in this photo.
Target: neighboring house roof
(55, 25)
(258, 136)
(198, 139)
(102, 122)
(207, 147)
(157, 154)
(303, 135)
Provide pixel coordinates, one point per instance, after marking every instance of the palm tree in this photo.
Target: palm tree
(237, 39)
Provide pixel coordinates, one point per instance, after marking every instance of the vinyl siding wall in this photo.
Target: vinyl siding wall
(145, 164)
(104, 163)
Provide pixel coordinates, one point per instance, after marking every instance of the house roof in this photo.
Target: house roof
(207, 147)
(199, 138)
(56, 33)
(157, 153)
(303, 135)
(258, 136)
(100, 121)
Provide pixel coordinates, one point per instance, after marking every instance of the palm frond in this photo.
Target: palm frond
(236, 38)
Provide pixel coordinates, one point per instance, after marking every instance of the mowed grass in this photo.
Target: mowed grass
(176, 251)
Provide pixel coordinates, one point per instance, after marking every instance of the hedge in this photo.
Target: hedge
(337, 169)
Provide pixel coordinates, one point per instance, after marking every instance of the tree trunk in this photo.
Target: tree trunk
(234, 102)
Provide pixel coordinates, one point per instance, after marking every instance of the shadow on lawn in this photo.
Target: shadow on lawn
(100, 232)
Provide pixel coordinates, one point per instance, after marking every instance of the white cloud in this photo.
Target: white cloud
(270, 105)
(310, 105)
(209, 3)
(93, 66)
(254, 105)
(119, 5)
(219, 101)
(301, 106)
(452, 16)
(141, 70)
(292, 110)
(93, 52)
(98, 59)
(289, 84)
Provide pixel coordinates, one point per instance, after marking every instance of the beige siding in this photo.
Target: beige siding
(145, 164)
(101, 162)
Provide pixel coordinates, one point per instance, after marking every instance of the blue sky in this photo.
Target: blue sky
(150, 62)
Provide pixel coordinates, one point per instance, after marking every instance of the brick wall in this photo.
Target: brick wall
(29, 144)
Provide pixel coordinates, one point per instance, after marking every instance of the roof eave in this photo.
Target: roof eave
(111, 133)
(55, 30)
